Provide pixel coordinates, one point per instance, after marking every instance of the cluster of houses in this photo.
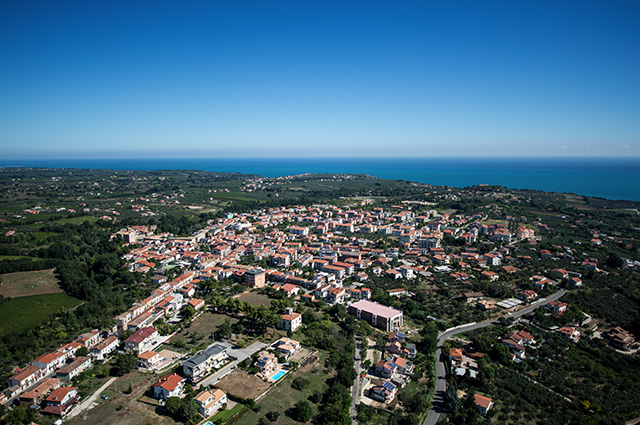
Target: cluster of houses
(517, 342)
(45, 381)
(172, 385)
(394, 371)
(266, 361)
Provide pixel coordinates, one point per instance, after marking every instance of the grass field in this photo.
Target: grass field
(13, 257)
(224, 415)
(23, 284)
(78, 220)
(122, 408)
(22, 313)
(255, 299)
(201, 328)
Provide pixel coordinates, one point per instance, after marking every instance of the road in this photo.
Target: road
(437, 406)
(355, 390)
(90, 402)
(239, 354)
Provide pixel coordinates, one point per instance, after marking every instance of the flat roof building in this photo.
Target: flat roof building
(377, 315)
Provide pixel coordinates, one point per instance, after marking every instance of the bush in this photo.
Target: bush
(303, 411)
(300, 383)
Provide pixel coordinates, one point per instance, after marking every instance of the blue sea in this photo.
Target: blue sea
(612, 177)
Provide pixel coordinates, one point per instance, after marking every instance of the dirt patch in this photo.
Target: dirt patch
(308, 363)
(241, 384)
(22, 284)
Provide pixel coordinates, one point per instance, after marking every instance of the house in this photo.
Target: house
(290, 289)
(336, 295)
(410, 348)
(397, 292)
(455, 355)
(575, 281)
(569, 333)
(404, 366)
(383, 391)
(61, 400)
(528, 295)
(50, 362)
(204, 361)
(73, 369)
(89, 339)
(395, 336)
(267, 363)
(287, 346)
(483, 404)
(142, 340)
(470, 297)
(24, 378)
(209, 402)
(290, 321)
(170, 385)
(36, 395)
(149, 359)
(378, 315)
(620, 338)
(385, 369)
(557, 307)
(102, 349)
(196, 303)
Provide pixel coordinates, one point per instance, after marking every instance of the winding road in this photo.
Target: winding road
(437, 404)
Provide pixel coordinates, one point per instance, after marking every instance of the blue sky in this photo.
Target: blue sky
(305, 78)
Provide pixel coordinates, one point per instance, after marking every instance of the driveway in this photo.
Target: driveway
(239, 354)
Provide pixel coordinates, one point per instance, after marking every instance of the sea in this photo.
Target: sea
(616, 178)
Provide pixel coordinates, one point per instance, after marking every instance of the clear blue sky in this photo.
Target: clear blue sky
(302, 78)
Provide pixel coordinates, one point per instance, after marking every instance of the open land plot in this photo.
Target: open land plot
(22, 313)
(125, 409)
(202, 327)
(282, 397)
(78, 220)
(242, 384)
(22, 284)
(255, 299)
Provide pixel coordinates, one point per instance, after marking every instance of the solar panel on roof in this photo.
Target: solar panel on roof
(389, 386)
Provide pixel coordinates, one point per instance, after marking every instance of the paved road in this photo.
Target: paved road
(355, 390)
(437, 406)
(239, 354)
(91, 401)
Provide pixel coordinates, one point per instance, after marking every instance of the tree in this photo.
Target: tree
(173, 405)
(429, 336)
(125, 363)
(273, 416)
(82, 352)
(188, 312)
(303, 411)
(300, 383)
(189, 412)
(224, 330)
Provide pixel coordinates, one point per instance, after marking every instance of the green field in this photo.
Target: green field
(78, 220)
(13, 257)
(255, 299)
(22, 313)
(224, 415)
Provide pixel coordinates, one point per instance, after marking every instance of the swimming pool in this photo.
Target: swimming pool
(278, 375)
